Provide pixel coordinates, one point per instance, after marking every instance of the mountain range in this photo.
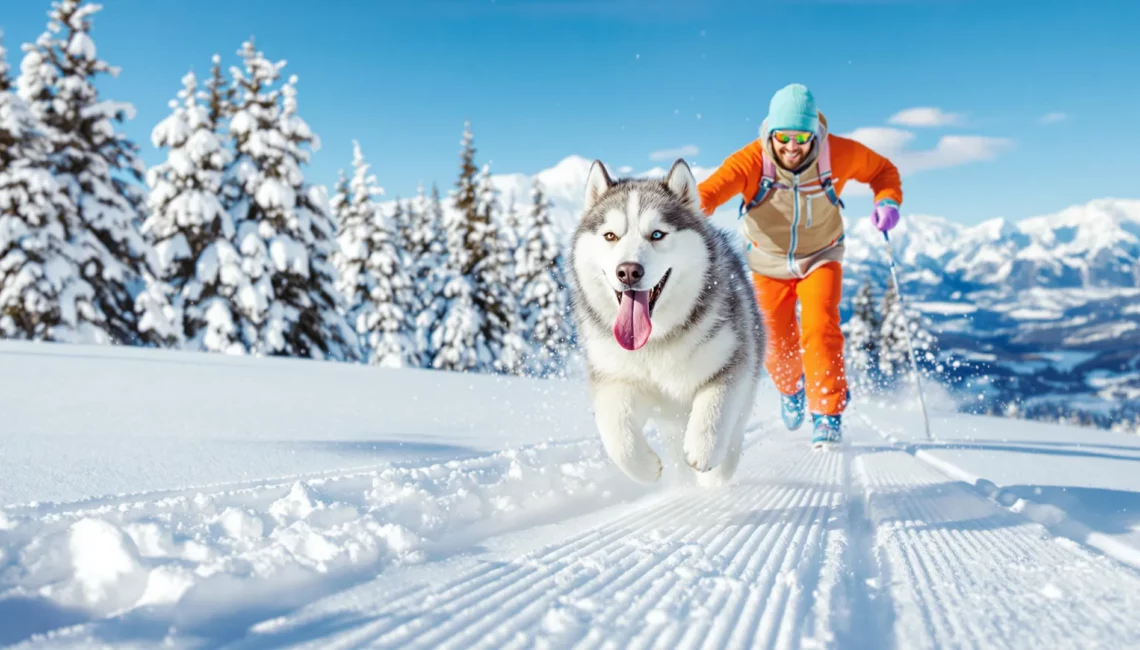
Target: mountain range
(1042, 314)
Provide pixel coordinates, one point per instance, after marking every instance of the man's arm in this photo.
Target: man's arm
(730, 179)
(855, 160)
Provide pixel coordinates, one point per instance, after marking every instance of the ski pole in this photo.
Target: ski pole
(906, 327)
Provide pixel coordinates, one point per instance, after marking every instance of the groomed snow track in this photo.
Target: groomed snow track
(866, 547)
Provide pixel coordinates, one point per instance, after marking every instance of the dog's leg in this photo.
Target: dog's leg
(620, 413)
(723, 473)
(711, 427)
(670, 424)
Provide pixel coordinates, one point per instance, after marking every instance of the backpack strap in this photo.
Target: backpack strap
(823, 164)
(767, 179)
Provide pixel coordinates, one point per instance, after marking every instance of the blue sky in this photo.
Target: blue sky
(622, 79)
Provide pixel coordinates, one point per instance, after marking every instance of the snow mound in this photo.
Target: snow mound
(208, 556)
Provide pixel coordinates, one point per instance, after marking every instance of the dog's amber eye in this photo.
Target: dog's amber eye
(657, 235)
(609, 236)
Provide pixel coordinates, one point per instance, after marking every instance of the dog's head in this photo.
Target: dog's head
(641, 253)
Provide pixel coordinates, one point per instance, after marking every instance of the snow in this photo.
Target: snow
(1067, 361)
(426, 509)
(1094, 334)
(81, 46)
(945, 308)
(1034, 314)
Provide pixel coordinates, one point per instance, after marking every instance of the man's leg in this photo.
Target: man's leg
(822, 340)
(783, 361)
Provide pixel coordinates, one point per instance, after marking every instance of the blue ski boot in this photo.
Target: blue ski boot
(792, 409)
(828, 432)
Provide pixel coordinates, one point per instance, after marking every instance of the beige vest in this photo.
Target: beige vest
(796, 229)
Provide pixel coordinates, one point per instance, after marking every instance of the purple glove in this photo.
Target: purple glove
(886, 215)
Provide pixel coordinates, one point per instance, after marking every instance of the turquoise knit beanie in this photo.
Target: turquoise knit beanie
(793, 108)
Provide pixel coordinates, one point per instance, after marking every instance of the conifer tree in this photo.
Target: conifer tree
(460, 334)
(43, 294)
(284, 227)
(407, 300)
(95, 164)
(428, 250)
(861, 333)
(894, 351)
(544, 305)
(456, 338)
(496, 281)
(372, 278)
(189, 221)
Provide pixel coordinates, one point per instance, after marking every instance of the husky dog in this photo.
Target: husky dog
(666, 313)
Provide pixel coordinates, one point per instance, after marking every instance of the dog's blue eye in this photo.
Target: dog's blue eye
(657, 235)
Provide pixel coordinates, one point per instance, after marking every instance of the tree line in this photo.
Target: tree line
(226, 247)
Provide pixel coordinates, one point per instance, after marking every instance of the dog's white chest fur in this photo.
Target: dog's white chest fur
(675, 368)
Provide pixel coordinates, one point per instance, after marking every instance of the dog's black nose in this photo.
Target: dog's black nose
(630, 273)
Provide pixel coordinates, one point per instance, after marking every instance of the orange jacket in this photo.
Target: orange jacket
(850, 160)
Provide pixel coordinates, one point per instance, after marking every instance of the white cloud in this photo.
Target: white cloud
(951, 150)
(688, 150)
(925, 116)
(1053, 118)
(882, 139)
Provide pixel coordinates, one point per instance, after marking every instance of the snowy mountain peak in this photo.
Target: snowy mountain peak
(991, 230)
(1094, 244)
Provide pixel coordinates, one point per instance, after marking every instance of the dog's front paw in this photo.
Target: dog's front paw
(644, 467)
(702, 452)
(699, 453)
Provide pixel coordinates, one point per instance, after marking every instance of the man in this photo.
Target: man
(791, 179)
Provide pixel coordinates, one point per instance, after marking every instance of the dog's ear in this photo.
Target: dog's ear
(681, 182)
(597, 183)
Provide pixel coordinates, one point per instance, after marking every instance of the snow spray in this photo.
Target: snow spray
(909, 345)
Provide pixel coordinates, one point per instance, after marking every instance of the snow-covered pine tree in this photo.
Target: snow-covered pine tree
(392, 337)
(284, 228)
(465, 201)
(428, 251)
(457, 337)
(894, 352)
(497, 281)
(189, 223)
(544, 305)
(43, 294)
(405, 218)
(372, 279)
(94, 163)
(339, 205)
(352, 207)
(460, 334)
(861, 333)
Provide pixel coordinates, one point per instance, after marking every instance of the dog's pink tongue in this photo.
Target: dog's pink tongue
(632, 327)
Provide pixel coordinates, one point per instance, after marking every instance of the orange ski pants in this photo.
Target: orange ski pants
(811, 348)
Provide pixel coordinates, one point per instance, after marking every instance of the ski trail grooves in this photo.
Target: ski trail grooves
(751, 565)
(967, 573)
